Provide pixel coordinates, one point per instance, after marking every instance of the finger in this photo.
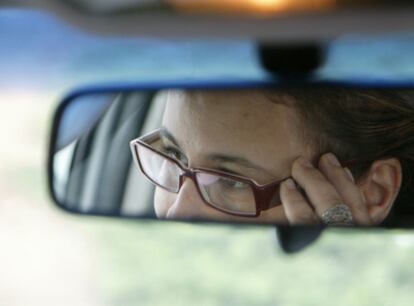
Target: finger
(345, 185)
(321, 193)
(297, 209)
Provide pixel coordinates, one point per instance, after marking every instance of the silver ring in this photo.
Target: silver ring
(339, 214)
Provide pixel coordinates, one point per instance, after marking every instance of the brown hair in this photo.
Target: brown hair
(363, 125)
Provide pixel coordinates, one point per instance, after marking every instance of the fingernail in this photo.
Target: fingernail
(290, 184)
(305, 163)
(351, 177)
(332, 159)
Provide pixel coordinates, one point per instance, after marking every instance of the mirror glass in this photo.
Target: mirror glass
(299, 156)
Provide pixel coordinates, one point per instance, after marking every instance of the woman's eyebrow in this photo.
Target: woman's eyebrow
(217, 157)
(165, 133)
(237, 160)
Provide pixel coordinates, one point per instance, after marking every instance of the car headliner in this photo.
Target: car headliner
(83, 58)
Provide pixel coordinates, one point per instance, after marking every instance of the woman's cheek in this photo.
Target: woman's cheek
(163, 200)
(274, 215)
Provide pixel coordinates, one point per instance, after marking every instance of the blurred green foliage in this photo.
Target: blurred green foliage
(154, 263)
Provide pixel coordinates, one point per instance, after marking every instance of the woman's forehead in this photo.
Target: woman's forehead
(236, 121)
(241, 112)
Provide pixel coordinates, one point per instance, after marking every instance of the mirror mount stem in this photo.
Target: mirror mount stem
(295, 239)
(291, 61)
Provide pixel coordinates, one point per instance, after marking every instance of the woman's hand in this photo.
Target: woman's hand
(326, 187)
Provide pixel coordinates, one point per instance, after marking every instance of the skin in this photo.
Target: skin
(245, 124)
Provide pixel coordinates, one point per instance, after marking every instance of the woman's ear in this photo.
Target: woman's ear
(380, 186)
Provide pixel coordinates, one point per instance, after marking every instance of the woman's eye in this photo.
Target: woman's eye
(233, 184)
(174, 153)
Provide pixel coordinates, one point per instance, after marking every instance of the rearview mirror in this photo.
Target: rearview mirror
(288, 156)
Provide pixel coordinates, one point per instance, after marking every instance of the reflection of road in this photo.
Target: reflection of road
(46, 258)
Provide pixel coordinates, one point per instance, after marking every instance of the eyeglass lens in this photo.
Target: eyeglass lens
(224, 193)
(159, 169)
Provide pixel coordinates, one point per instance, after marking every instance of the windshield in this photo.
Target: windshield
(51, 258)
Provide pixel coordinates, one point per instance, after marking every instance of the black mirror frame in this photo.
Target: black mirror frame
(291, 239)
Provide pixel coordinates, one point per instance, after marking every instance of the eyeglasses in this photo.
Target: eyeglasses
(232, 194)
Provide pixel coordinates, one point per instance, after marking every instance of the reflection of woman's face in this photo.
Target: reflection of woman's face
(239, 132)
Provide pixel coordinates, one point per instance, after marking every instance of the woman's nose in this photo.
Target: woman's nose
(187, 204)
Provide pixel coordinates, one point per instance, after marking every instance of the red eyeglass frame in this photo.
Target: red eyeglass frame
(266, 196)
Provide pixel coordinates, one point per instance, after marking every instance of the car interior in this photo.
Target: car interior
(91, 76)
(98, 174)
